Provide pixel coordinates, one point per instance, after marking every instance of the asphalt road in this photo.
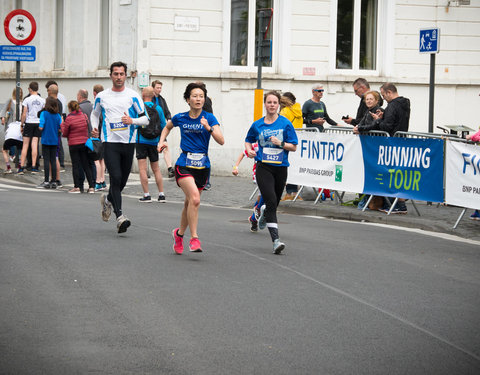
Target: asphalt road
(346, 298)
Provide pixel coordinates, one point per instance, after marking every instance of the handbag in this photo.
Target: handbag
(94, 146)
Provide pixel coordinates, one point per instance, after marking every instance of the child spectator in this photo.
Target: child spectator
(13, 138)
(474, 138)
(253, 218)
(50, 121)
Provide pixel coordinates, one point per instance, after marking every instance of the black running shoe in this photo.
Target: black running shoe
(253, 224)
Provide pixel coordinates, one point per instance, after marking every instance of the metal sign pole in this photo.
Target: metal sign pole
(17, 92)
(431, 93)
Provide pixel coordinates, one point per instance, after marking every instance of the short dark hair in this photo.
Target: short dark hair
(51, 105)
(33, 86)
(50, 83)
(156, 82)
(97, 88)
(388, 86)
(274, 93)
(361, 81)
(193, 86)
(118, 64)
(83, 93)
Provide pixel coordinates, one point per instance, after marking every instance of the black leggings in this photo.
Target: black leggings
(49, 159)
(271, 182)
(80, 165)
(118, 160)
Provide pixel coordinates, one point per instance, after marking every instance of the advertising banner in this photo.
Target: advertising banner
(403, 167)
(462, 174)
(327, 160)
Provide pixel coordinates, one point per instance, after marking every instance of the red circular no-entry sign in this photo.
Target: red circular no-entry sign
(20, 27)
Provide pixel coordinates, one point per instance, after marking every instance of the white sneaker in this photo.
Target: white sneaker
(262, 222)
(122, 223)
(106, 207)
(278, 246)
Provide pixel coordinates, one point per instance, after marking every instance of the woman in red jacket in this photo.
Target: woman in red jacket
(75, 129)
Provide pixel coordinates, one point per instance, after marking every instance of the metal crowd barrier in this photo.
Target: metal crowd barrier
(463, 140)
(374, 133)
(301, 188)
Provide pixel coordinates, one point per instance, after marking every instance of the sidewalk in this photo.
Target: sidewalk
(235, 191)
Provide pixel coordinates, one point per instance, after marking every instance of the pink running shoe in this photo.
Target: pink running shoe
(195, 245)
(177, 241)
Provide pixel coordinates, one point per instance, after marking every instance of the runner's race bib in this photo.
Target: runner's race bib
(272, 155)
(117, 125)
(196, 160)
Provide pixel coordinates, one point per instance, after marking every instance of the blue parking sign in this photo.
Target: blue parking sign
(429, 40)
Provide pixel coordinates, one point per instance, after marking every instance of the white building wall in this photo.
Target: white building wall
(142, 34)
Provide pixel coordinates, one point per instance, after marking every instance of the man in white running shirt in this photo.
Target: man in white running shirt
(122, 109)
(30, 122)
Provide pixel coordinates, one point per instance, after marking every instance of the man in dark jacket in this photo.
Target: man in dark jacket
(360, 87)
(397, 114)
(395, 118)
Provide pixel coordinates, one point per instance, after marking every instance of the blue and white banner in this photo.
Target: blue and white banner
(327, 160)
(403, 167)
(462, 174)
(388, 166)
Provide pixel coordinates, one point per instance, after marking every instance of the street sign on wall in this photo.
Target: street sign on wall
(17, 53)
(20, 27)
(429, 40)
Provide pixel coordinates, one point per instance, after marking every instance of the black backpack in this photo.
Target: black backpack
(153, 129)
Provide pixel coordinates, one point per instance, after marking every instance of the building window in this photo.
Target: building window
(104, 37)
(244, 26)
(59, 50)
(357, 34)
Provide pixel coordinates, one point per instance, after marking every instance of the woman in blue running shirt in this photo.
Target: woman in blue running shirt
(276, 136)
(193, 165)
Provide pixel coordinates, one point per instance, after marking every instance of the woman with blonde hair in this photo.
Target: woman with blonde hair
(8, 114)
(367, 123)
(293, 111)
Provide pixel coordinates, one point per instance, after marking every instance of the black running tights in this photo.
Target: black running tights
(118, 160)
(271, 182)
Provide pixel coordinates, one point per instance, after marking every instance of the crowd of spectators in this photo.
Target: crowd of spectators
(21, 147)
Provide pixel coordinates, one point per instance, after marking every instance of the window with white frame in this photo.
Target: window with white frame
(104, 37)
(357, 34)
(244, 24)
(59, 62)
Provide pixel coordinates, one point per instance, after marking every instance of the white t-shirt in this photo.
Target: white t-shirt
(63, 100)
(34, 104)
(112, 105)
(13, 131)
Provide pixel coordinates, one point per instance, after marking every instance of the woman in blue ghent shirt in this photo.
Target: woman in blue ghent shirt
(276, 137)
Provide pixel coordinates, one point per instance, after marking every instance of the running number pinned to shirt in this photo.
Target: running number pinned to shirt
(196, 160)
(117, 125)
(272, 155)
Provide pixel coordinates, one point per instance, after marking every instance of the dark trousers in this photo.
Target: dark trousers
(49, 160)
(118, 160)
(61, 153)
(81, 166)
(271, 182)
